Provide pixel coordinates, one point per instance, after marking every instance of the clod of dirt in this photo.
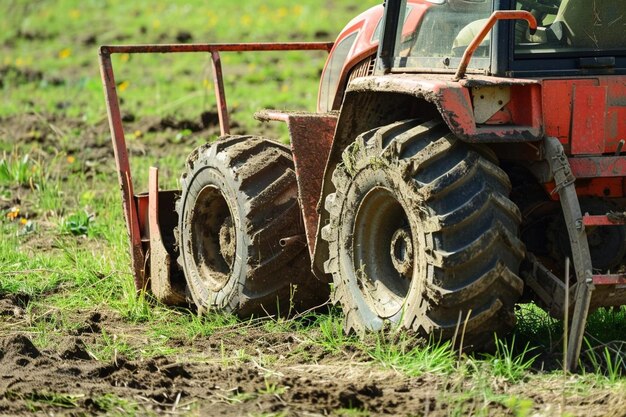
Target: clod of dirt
(349, 398)
(31, 35)
(91, 325)
(76, 350)
(174, 124)
(321, 34)
(176, 370)
(14, 304)
(19, 75)
(209, 119)
(90, 40)
(184, 37)
(15, 349)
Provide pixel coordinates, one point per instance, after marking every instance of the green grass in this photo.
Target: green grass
(506, 363)
(113, 405)
(411, 357)
(330, 335)
(16, 170)
(66, 69)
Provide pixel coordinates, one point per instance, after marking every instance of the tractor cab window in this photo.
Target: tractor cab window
(332, 73)
(439, 38)
(571, 26)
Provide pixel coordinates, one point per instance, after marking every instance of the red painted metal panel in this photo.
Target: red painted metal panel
(557, 106)
(609, 279)
(311, 140)
(615, 126)
(589, 119)
(598, 166)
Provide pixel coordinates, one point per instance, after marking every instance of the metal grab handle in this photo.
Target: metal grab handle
(495, 16)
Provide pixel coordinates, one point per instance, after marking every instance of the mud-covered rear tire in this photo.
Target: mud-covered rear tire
(238, 200)
(422, 234)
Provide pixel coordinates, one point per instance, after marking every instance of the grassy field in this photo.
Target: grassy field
(75, 339)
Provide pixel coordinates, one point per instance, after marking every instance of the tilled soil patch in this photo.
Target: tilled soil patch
(70, 380)
(30, 375)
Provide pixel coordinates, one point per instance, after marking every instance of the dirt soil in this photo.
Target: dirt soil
(302, 380)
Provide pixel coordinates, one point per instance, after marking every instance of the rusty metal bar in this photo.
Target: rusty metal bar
(609, 279)
(216, 47)
(220, 94)
(123, 167)
(495, 16)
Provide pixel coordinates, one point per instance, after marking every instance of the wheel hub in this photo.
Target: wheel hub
(401, 252)
(227, 241)
(383, 251)
(213, 237)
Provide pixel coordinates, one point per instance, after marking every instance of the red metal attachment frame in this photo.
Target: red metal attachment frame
(117, 130)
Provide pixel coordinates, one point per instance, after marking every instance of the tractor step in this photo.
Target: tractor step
(610, 219)
(610, 279)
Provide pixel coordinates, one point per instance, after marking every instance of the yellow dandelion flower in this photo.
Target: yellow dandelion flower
(123, 86)
(74, 13)
(282, 12)
(13, 213)
(70, 159)
(19, 62)
(156, 23)
(212, 21)
(245, 20)
(138, 133)
(65, 53)
(23, 221)
(296, 10)
(124, 57)
(284, 88)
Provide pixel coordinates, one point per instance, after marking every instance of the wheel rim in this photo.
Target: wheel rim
(213, 238)
(383, 251)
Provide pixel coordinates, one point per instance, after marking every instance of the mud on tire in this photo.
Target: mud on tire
(421, 233)
(239, 198)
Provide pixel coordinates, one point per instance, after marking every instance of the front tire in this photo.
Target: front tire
(422, 233)
(238, 200)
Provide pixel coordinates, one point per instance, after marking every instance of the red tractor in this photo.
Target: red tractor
(461, 152)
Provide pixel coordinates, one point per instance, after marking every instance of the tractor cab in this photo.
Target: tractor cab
(577, 36)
